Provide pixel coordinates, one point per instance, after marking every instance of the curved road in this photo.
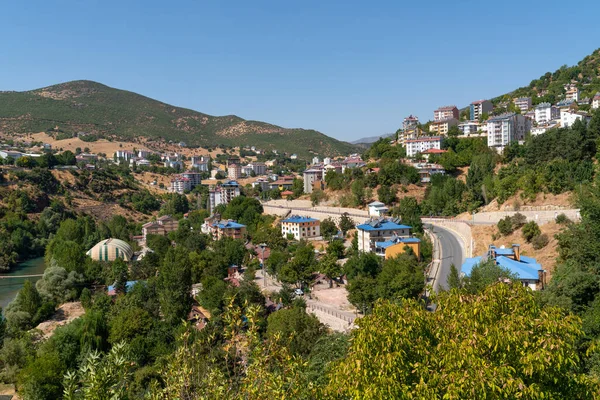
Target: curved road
(452, 253)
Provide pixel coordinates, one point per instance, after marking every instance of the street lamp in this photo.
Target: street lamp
(262, 262)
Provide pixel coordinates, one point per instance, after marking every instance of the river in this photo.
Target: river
(10, 287)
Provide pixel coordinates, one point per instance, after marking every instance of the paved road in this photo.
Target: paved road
(452, 253)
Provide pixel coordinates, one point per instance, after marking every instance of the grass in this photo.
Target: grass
(92, 107)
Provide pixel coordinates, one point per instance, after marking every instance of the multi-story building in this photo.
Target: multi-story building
(144, 153)
(315, 160)
(505, 129)
(301, 227)
(311, 176)
(180, 185)
(569, 116)
(234, 171)
(444, 113)
(162, 226)
(443, 126)
(469, 127)
(523, 103)
(259, 168)
(229, 228)
(194, 177)
(427, 170)
(378, 230)
(124, 155)
(596, 101)
(572, 92)
(546, 112)
(199, 163)
(410, 123)
(543, 128)
(222, 194)
(480, 107)
(419, 145)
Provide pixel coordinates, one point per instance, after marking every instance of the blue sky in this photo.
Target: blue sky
(346, 68)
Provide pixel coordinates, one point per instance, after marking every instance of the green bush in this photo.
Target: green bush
(562, 219)
(531, 230)
(505, 226)
(540, 241)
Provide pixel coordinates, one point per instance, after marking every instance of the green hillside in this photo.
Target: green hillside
(550, 86)
(92, 107)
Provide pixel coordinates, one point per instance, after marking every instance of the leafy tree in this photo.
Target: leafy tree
(505, 226)
(58, 285)
(159, 244)
(346, 223)
(531, 230)
(484, 274)
(174, 285)
(400, 278)
(120, 275)
(317, 196)
(368, 264)
(336, 248)
(410, 212)
(328, 228)
(358, 192)
(486, 351)
(454, 281)
(386, 194)
(362, 292)
(300, 269)
(540, 241)
(41, 378)
(294, 327)
(330, 267)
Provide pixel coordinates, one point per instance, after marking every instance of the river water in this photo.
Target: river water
(9, 287)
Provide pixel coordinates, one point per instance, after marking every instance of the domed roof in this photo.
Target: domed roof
(110, 249)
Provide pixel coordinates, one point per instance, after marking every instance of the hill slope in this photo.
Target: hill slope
(93, 107)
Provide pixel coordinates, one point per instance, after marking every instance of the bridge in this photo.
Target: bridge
(20, 276)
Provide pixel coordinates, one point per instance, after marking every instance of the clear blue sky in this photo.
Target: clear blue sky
(346, 68)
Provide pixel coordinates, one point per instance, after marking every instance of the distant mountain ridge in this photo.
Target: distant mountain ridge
(372, 139)
(93, 107)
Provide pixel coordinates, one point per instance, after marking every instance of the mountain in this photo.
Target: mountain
(372, 139)
(550, 86)
(92, 107)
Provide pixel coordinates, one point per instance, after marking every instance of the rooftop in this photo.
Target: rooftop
(382, 224)
(297, 219)
(228, 225)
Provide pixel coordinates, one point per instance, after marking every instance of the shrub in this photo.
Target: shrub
(518, 220)
(531, 230)
(540, 241)
(505, 226)
(562, 219)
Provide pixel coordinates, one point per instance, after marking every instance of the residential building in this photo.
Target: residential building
(315, 160)
(396, 246)
(175, 164)
(352, 161)
(443, 126)
(432, 152)
(262, 183)
(301, 227)
(569, 116)
(566, 103)
(162, 226)
(199, 163)
(526, 269)
(222, 194)
(258, 168)
(572, 92)
(505, 129)
(380, 230)
(427, 170)
(419, 145)
(480, 107)
(584, 101)
(194, 177)
(144, 153)
(282, 183)
(229, 228)
(377, 209)
(311, 176)
(543, 128)
(410, 123)
(596, 101)
(10, 154)
(469, 127)
(123, 155)
(523, 103)
(234, 171)
(444, 113)
(545, 112)
(326, 161)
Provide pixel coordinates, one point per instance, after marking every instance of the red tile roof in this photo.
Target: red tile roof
(434, 151)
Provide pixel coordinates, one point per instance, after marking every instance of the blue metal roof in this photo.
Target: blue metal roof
(297, 219)
(520, 269)
(128, 286)
(388, 243)
(504, 252)
(382, 226)
(468, 265)
(229, 224)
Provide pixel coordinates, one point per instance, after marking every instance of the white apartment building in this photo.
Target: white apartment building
(301, 227)
(523, 103)
(505, 129)
(259, 168)
(222, 194)
(545, 112)
(444, 113)
(543, 128)
(419, 145)
(596, 101)
(411, 122)
(180, 185)
(572, 92)
(200, 163)
(124, 155)
(469, 127)
(568, 117)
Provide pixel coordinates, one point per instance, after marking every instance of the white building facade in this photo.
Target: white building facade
(505, 129)
(419, 145)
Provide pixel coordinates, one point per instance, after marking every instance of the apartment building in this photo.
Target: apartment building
(311, 176)
(546, 112)
(569, 116)
(180, 185)
(572, 92)
(199, 163)
(505, 129)
(523, 103)
(258, 168)
(480, 107)
(445, 113)
(380, 230)
(442, 127)
(124, 155)
(596, 101)
(469, 127)
(222, 194)
(162, 226)
(301, 227)
(229, 228)
(419, 145)
(410, 123)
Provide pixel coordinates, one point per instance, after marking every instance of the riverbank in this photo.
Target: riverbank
(9, 287)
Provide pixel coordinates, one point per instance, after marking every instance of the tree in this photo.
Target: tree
(346, 223)
(367, 264)
(328, 228)
(175, 285)
(294, 327)
(58, 285)
(300, 269)
(330, 268)
(358, 192)
(410, 213)
(362, 292)
(472, 346)
(41, 378)
(120, 274)
(531, 230)
(454, 281)
(386, 194)
(484, 274)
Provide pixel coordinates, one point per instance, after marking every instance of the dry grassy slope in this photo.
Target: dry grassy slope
(548, 200)
(483, 236)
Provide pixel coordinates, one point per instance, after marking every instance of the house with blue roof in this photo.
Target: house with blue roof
(227, 228)
(526, 269)
(379, 230)
(301, 227)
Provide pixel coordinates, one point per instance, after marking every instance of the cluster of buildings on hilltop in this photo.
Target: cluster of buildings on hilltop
(500, 130)
(314, 176)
